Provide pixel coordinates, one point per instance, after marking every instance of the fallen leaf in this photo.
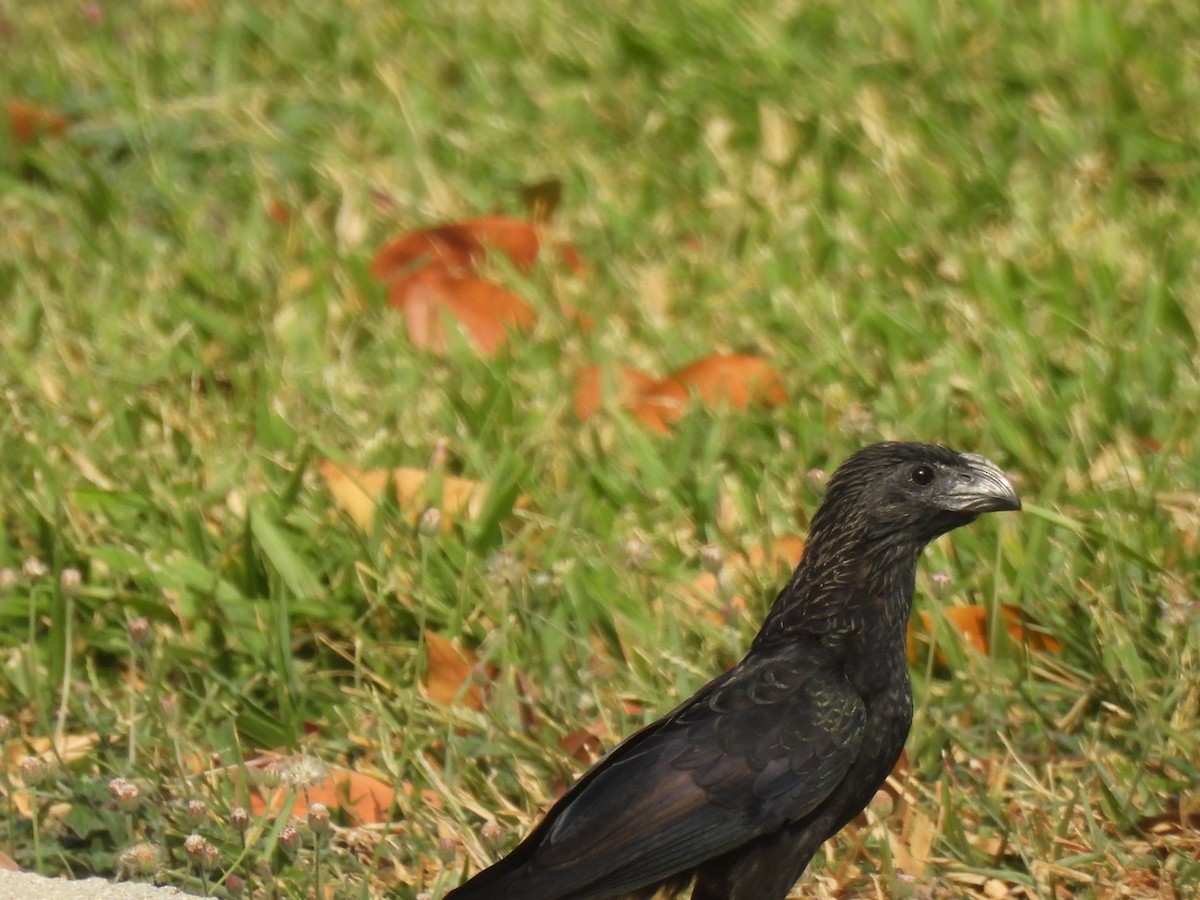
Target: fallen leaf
(279, 211)
(358, 492)
(22, 801)
(1183, 814)
(433, 271)
(583, 745)
(913, 848)
(592, 390)
(361, 798)
(459, 246)
(971, 622)
(430, 798)
(486, 312)
(448, 673)
(28, 123)
(735, 380)
(71, 748)
(782, 552)
(572, 260)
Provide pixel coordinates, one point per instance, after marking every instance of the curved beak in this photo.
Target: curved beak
(981, 487)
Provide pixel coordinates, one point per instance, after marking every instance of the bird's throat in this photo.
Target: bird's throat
(862, 597)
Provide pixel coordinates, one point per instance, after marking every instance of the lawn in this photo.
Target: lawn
(969, 223)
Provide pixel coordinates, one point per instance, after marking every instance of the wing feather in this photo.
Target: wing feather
(759, 747)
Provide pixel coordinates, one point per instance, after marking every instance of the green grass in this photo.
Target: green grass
(969, 223)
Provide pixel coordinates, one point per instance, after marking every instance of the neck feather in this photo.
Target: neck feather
(847, 584)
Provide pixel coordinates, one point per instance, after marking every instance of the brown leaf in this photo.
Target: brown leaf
(459, 246)
(448, 673)
(1183, 814)
(583, 745)
(358, 492)
(71, 748)
(628, 384)
(433, 272)
(782, 552)
(912, 849)
(360, 797)
(971, 622)
(430, 798)
(1020, 629)
(573, 261)
(279, 211)
(28, 123)
(364, 798)
(486, 312)
(735, 380)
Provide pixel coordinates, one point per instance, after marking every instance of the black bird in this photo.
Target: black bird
(737, 787)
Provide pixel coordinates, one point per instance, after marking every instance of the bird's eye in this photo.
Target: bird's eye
(921, 475)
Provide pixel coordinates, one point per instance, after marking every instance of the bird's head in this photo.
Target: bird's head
(911, 492)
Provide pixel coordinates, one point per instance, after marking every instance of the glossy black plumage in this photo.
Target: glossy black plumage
(735, 789)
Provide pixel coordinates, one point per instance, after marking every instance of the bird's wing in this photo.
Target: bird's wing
(760, 746)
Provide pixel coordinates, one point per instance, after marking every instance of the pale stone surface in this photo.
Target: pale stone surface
(27, 886)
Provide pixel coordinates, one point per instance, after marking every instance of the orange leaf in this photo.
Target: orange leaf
(971, 622)
(430, 798)
(653, 415)
(358, 491)
(361, 797)
(590, 385)
(279, 211)
(458, 246)
(781, 552)
(448, 674)
(735, 379)
(30, 122)
(485, 311)
(572, 260)
(1016, 621)
(364, 798)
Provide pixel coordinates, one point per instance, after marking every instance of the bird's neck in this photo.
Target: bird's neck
(847, 591)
